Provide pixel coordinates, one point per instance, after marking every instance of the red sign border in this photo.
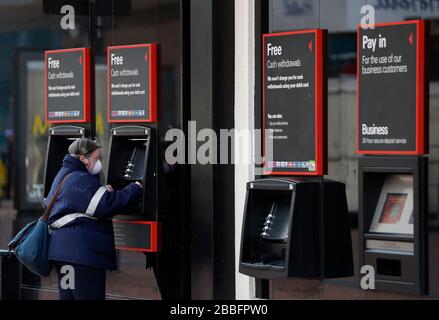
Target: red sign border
(154, 236)
(86, 66)
(321, 141)
(421, 92)
(152, 82)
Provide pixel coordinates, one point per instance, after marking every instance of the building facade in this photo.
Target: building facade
(210, 74)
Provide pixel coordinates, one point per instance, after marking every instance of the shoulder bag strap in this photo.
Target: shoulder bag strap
(45, 216)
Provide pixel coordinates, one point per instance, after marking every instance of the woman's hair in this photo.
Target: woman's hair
(83, 146)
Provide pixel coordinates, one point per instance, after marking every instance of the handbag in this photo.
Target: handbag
(31, 244)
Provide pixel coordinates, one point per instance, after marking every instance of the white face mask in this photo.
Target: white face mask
(97, 168)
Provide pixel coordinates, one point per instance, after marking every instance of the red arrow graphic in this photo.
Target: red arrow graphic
(411, 38)
(80, 59)
(146, 56)
(310, 46)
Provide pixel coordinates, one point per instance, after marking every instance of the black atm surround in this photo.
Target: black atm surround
(131, 157)
(400, 272)
(295, 249)
(60, 138)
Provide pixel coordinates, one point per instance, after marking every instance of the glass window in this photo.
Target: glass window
(27, 29)
(341, 17)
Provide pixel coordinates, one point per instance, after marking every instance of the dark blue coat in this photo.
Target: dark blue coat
(85, 241)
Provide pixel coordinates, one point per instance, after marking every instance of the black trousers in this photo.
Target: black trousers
(78, 282)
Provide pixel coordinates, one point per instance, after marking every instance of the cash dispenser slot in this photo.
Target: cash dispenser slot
(281, 230)
(59, 141)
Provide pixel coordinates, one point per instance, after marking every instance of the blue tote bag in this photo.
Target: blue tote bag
(31, 244)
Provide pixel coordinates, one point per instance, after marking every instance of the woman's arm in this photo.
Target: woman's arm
(113, 202)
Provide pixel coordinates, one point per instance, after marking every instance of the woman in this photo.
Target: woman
(82, 240)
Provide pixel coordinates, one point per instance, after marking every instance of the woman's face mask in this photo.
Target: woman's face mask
(93, 163)
(97, 168)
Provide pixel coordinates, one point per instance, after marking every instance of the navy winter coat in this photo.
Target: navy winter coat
(85, 241)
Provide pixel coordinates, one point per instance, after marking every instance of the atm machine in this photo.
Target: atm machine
(296, 222)
(131, 159)
(67, 105)
(393, 176)
(132, 98)
(284, 236)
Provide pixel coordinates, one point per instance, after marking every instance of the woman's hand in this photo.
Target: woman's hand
(109, 188)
